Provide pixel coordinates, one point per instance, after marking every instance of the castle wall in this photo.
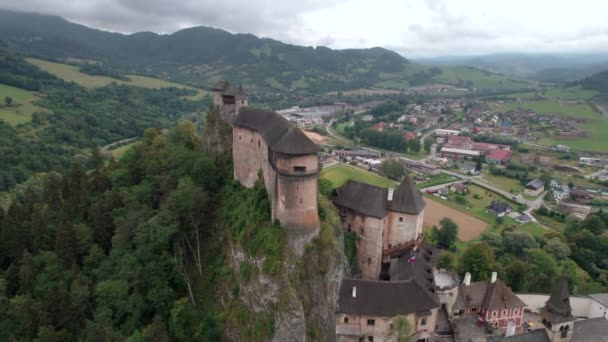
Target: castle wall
(293, 194)
(400, 228)
(248, 155)
(369, 241)
(216, 96)
(350, 327)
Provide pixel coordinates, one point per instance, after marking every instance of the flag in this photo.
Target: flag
(412, 259)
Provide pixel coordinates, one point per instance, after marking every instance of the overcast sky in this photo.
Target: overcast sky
(414, 28)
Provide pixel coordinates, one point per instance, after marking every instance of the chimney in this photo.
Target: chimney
(467, 279)
(354, 292)
(494, 276)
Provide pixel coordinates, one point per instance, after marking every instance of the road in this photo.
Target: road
(334, 134)
(535, 204)
(118, 143)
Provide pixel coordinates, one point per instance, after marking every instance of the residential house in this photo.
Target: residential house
(534, 188)
(498, 208)
(498, 157)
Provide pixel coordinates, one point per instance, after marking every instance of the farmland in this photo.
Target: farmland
(469, 227)
(341, 173)
(72, 73)
(22, 107)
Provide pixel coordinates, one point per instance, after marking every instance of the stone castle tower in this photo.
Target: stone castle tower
(556, 315)
(265, 141)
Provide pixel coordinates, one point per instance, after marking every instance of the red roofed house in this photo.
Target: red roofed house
(409, 135)
(458, 141)
(487, 147)
(498, 157)
(492, 300)
(379, 126)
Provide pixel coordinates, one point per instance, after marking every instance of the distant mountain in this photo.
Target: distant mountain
(200, 56)
(202, 53)
(555, 68)
(597, 82)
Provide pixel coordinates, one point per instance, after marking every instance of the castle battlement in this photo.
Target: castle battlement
(288, 160)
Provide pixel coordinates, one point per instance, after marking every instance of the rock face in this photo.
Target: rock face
(301, 298)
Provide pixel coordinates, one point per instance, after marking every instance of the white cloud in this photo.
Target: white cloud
(412, 27)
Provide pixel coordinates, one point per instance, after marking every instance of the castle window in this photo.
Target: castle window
(370, 338)
(259, 143)
(423, 321)
(345, 319)
(369, 260)
(239, 137)
(504, 312)
(299, 168)
(242, 102)
(516, 312)
(401, 219)
(371, 322)
(300, 201)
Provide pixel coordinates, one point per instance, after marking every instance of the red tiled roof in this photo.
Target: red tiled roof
(501, 155)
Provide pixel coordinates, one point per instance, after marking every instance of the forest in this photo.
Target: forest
(80, 119)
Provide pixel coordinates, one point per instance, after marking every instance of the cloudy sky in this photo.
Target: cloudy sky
(414, 28)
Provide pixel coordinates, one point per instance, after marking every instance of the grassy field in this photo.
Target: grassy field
(439, 179)
(341, 173)
(22, 107)
(571, 93)
(476, 206)
(119, 151)
(73, 74)
(533, 228)
(504, 183)
(597, 125)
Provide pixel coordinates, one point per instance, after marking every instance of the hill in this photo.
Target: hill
(200, 56)
(554, 68)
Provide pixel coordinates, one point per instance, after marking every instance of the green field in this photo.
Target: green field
(597, 125)
(504, 183)
(439, 179)
(533, 228)
(119, 151)
(341, 173)
(73, 74)
(22, 107)
(477, 206)
(572, 93)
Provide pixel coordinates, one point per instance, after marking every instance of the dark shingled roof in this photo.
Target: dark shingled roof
(361, 197)
(422, 268)
(471, 296)
(594, 329)
(487, 295)
(538, 335)
(277, 132)
(407, 199)
(221, 85)
(499, 296)
(557, 309)
(385, 298)
(237, 92)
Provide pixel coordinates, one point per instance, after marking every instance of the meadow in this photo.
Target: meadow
(341, 173)
(22, 107)
(72, 73)
(596, 125)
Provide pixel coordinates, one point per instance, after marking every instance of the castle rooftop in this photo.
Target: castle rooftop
(276, 131)
(384, 298)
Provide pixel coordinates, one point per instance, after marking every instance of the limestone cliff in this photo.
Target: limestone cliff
(285, 298)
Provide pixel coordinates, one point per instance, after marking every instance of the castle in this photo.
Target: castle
(386, 222)
(265, 142)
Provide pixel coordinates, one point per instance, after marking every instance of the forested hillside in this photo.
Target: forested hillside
(77, 118)
(598, 82)
(201, 56)
(161, 245)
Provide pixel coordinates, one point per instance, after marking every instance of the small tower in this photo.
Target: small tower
(217, 90)
(556, 315)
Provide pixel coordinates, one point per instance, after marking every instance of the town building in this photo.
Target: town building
(458, 153)
(265, 144)
(534, 188)
(561, 148)
(498, 208)
(363, 153)
(420, 167)
(384, 220)
(498, 157)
